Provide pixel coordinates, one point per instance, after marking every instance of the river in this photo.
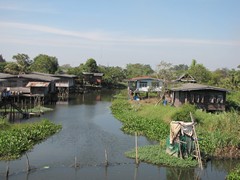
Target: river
(88, 131)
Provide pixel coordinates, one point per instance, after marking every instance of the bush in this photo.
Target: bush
(183, 114)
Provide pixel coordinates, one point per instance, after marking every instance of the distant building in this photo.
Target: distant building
(203, 96)
(186, 78)
(92, 79)
(145, 84)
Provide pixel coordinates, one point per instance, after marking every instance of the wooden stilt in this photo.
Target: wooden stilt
(7, 170)
(136, 148)
(106, 158)
(28, 164)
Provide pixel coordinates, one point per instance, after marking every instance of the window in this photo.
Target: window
(212, 99)
(219, 99)
(143, 84)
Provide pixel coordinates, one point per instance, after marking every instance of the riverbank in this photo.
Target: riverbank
(217, 132)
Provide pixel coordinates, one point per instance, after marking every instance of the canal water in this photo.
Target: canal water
(88, 131)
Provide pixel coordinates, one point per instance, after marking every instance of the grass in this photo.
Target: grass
(218, 133)
(155, 154)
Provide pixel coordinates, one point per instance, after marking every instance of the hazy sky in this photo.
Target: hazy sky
(118, 32)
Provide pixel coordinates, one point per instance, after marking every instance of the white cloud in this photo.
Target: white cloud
(111, 38)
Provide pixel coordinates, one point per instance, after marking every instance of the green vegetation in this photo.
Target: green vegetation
(234, 174)
(16, 139)
(218, 133)
(155, 154)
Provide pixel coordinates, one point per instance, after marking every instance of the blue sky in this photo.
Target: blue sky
(116, 33)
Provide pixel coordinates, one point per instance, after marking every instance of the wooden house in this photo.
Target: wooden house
(145, 84)
(203, 96)
(18, 83)
(40, 77)
(65, 84)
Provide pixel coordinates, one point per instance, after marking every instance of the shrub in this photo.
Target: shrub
(183, 114)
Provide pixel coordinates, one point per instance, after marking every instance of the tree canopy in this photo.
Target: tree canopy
(23, 62)
(135, 70)
(45, 64)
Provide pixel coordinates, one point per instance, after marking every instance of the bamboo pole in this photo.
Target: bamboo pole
(198, 153)
(106, 158)
(28, 164)
(75, 163)
(136, 148)
(7, 170)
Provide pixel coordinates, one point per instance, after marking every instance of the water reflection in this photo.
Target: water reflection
(88, 129)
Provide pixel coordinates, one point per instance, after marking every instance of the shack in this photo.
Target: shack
(180, 142)
(92, 79)
(205, 97)
(65, 84)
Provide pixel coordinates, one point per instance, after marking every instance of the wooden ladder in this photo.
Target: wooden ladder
(197, 149)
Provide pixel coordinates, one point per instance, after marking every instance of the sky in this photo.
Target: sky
(120, 32)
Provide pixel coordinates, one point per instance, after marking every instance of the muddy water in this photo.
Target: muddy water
(89, 129)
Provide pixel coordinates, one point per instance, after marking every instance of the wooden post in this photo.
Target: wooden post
(136, 148)
(75, 163)
(28, 164)
(7, 170)
(106, 158)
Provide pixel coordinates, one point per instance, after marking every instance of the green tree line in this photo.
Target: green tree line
(113, 75)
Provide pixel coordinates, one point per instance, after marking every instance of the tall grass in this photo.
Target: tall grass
(216, 131)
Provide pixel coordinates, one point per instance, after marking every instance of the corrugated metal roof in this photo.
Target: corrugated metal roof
(39, 77)
(143, 78)
(38, 84)
(4, 75)
(64, 75)
(194, 87)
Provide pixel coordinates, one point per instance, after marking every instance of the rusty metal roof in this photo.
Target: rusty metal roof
(38, 84)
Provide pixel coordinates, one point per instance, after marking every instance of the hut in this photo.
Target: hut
(205, 97)
(65, 84)
(92, 79)
(180, 142)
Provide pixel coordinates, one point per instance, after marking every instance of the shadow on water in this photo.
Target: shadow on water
(90, 130)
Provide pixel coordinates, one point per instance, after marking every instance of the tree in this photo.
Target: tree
(179, 69)
(11, 68)
(164, 71)
(2, 63)
(199, 72)
(112, 75)
(218, 76)
(45, 64)
(23, 62)
(135, 70)
(90, 66)
(1, 59)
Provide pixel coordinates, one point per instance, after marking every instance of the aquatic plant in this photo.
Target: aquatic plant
(234, 174)
(155, 154)
(17, 139)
